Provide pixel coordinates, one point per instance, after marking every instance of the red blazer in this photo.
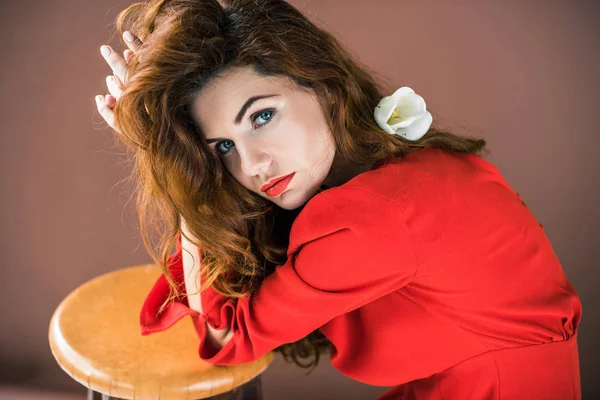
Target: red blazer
(427, 273)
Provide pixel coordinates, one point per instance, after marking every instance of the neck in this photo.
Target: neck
(341, 172)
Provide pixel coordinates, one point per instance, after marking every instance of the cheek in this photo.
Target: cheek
(232, 164)
(309, 138)
(322, 141)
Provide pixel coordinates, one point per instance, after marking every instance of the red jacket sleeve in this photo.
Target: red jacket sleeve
(347, 248)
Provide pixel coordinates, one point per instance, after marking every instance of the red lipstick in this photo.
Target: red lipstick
(276, 186)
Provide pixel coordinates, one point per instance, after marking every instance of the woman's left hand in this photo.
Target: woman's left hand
(116, 82)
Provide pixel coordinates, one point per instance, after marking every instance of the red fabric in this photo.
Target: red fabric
(427, 273)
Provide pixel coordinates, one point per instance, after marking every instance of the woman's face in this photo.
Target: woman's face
(264, 128)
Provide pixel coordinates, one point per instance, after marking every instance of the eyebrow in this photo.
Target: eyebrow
(242, 112)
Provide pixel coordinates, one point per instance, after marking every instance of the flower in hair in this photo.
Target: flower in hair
(404, 114)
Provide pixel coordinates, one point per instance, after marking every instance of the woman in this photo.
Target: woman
(327, 217)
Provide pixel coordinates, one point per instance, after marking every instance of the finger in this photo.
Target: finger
(128, 55)
(111, 101)
(106, 112)
(115, 61)
(113, 87)
(132, 41)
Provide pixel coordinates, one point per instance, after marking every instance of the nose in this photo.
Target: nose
(253, 158)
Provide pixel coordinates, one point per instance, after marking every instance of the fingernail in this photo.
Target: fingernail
(105, 51)
(109, 79)
(98, 99)
(128, 36)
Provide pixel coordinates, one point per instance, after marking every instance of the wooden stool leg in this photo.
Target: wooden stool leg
(251, 390)
(93, 395)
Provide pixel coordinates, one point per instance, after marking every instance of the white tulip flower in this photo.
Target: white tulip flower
(404, 113)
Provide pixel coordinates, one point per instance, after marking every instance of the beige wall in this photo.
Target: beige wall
(523, 74)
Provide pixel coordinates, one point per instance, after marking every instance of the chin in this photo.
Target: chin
(293, 199)
(288, 201)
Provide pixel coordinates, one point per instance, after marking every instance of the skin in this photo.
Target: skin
(276, 136)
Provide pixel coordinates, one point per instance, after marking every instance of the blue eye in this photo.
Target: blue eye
(217, 147)
(266, 115)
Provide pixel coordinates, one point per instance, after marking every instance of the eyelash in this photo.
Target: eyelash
(253, 118)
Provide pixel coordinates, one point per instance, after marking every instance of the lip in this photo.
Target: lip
(274, 181)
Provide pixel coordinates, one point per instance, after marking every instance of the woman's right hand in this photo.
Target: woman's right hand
(115, 82)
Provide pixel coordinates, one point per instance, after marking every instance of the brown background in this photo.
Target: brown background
(521, 73)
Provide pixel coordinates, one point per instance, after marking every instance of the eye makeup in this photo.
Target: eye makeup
(271, 112)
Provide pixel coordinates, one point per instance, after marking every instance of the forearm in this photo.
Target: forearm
(191, 268)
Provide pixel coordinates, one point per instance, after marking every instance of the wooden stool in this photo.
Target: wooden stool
(95, 337)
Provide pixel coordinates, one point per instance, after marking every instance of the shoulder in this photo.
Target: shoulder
(394, 176)
(349, 235)
(427, 173)
(356, 207)
(348, 218)
(368, 195)
(378, 202)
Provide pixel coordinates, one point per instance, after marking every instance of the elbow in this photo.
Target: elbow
(219, 338)
(227, 338)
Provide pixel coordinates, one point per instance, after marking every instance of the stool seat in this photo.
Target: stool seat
(95, 337)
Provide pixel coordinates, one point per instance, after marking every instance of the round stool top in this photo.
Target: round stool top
(95, 337)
